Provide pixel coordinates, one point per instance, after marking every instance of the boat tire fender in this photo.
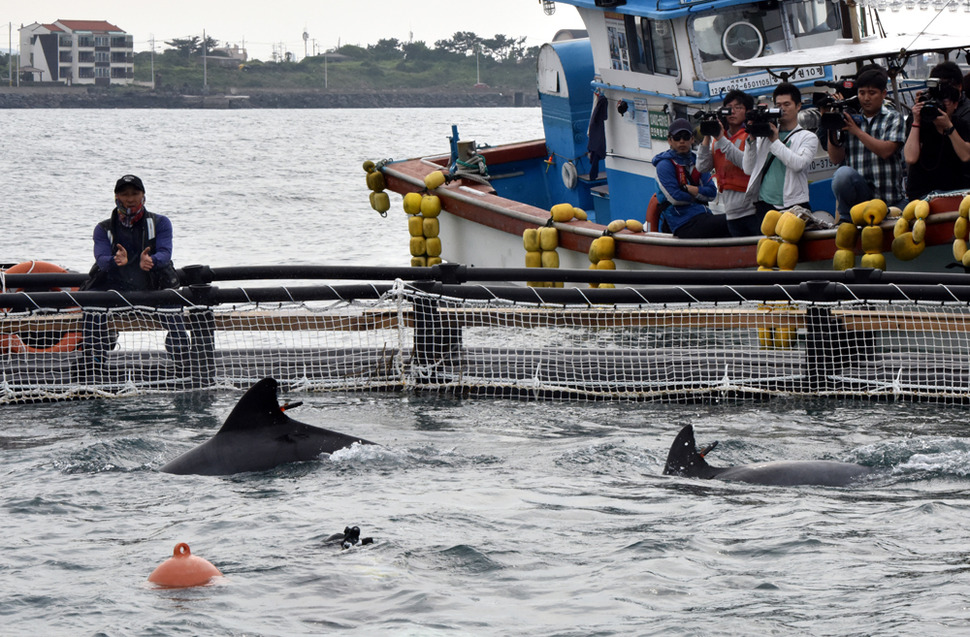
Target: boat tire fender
(569, 175)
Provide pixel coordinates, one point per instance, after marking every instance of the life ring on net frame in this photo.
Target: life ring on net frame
(65, 341)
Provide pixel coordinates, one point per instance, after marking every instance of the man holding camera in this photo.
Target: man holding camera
(726, 159)
(936, 150)
(949, 72)
(869, 158)
(778, 161)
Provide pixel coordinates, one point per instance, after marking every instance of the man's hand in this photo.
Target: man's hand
(146, 262)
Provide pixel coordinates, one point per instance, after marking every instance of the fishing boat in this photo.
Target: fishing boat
(650, 62)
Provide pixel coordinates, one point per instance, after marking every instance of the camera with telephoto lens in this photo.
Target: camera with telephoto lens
(711, 122)
(760, 118)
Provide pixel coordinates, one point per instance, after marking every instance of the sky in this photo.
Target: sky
(262, 25)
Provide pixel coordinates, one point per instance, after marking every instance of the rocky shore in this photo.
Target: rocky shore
(75, 97)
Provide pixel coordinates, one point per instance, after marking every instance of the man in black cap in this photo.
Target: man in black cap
(132, 251)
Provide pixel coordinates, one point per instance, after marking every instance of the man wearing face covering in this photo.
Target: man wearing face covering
(132, 251)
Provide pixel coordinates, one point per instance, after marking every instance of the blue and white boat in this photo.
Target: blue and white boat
(653, 61)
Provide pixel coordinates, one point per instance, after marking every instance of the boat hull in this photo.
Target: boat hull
(482, 228)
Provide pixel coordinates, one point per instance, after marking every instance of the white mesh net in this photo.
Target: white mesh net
(408, 340)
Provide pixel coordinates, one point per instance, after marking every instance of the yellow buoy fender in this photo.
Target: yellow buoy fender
(966, 259)
(770, 222)
(845, 236)
(430, 205)
(432, 246)
(562, 212)
(922, 210)
(605, 248)
(416, 226)
(530, 239)
(901, 227)
(433, 180)
(875, 260)
(872, 239)
(960, 227)
(434, 261)
(430, 228)
(856, 211)
(606, 264)
(533, 259)
(634, 226)
(419, 262)
(375, 180)
(791, 227)
(418, 247)
(380, 202)
(919, 230)
(876, 210)
(843, 259)
(580, 214)
(787, 256)
(550, 259)
(412, 203)
(909, 212)
(959, 249)
(368, 166)
(767, 252)
(965, 207)
(905, 249)
(548, 238)
(616, 225)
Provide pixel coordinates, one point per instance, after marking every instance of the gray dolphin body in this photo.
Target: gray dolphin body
(685, 460)
(258, 435)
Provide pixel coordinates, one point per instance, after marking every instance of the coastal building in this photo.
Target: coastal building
(77, 52)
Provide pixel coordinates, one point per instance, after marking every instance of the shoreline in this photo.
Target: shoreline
(84, 97)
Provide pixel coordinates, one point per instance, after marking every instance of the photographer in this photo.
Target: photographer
(726, 159)
(778, 163)
(936, 149)
(869, 158)
(684, 190)
(949, 72)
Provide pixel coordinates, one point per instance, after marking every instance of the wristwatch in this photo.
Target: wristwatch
(949, 131)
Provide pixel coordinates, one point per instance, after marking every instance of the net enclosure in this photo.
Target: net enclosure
(687, 341)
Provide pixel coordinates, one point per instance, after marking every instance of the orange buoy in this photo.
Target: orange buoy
(183, 570)
(65, 342)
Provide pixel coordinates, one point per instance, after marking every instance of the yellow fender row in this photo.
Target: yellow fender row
(909, 233)
(779, 247)
(961, 227)
(868, 215)
(423, 209)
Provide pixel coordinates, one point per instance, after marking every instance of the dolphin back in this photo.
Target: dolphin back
(256, 436)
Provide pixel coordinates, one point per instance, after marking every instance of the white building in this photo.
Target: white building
(77, 52)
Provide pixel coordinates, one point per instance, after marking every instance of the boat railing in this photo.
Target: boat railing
(695, 335)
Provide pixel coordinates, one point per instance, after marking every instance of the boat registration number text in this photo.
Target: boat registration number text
(762, 80)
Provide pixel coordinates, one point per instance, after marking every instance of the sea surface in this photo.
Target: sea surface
(489, 516)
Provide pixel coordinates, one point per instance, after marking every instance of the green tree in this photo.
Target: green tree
(387, 49)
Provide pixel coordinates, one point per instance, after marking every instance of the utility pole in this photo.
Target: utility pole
(153, 60)
(205, 55)
(10, 54)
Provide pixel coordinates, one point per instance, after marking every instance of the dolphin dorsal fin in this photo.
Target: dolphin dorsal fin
(258, 407)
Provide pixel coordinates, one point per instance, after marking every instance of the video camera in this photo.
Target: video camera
(760, 118)
(834, 120)
(711, 122)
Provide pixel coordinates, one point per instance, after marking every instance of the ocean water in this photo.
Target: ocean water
(489, 516)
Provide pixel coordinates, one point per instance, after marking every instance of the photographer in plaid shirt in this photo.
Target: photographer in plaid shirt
(869, 153)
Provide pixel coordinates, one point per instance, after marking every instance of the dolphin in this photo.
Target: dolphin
(685, 460)
(258, 435)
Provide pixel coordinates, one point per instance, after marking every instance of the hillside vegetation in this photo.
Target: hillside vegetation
(456, 64)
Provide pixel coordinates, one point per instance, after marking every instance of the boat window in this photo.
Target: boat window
(814, 22)
(739, 33)
(651, 46)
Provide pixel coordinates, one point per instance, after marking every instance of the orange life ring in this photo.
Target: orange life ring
(12, 343)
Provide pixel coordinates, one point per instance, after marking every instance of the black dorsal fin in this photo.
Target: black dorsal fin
(258, 407)
(684, 459)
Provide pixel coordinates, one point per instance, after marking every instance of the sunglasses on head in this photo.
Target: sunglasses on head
(681, 136)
